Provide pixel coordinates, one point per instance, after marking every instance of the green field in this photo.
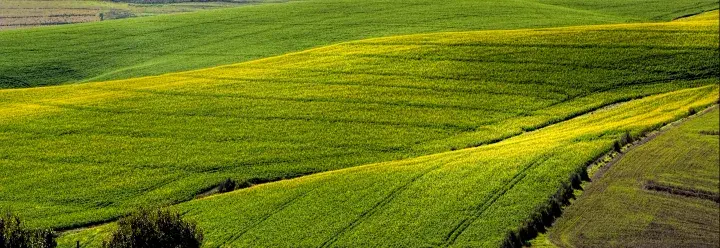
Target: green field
(362, 123)
(467, 198)
(129, 48)
(85, 153)
(618, 210)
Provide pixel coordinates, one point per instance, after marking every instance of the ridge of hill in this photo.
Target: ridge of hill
(121, 49)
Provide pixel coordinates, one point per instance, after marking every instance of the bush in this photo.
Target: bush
(625, 139)
(14, 235)
(617, 146)
(155, 228)
(227, 186)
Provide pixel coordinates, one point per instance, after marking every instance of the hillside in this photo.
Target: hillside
(129, 48)
(85, 153)
(631, 203)
(478, 197)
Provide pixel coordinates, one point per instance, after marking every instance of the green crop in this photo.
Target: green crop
(391, 108)
(79, 154)
(128, 48)
(467, 198)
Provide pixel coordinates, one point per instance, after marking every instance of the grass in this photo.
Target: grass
(618, 209)
(466, 198)
(129, 48)
(79, 154)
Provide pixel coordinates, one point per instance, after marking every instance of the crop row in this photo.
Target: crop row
(78, 154)
(479, 197)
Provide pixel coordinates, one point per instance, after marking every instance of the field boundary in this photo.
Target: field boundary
(691, 15)
(600, 166)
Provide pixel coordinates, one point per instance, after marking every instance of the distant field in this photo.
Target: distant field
(128, 48)
(77, 154)
(190, 1)
(622, 208)
(643, 10)
(33, 13)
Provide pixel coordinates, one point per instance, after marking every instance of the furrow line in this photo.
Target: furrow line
(372, 210)
(452, 236)
(282, 207)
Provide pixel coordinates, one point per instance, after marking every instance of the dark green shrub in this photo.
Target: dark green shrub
(625, 139)
(617, 146)
(14, 235)
(155, 228)
(511, 241)
(227, 186)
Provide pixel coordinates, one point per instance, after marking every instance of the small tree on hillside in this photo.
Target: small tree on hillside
(14, 235)
(155, 228)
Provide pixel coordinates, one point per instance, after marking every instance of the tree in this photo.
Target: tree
(158, 228)
(14, 235)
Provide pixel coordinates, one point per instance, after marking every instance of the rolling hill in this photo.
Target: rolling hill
(487, 196)
(129, 48)
(79, 154)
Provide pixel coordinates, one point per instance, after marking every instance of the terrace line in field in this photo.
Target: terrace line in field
(79, 154)
(467, 198)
